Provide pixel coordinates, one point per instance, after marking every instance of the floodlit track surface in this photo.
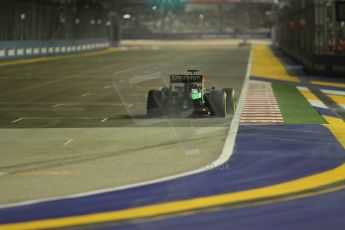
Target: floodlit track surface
(68, 126)
(289, 175)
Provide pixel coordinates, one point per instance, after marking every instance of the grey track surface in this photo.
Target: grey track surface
(70, 126)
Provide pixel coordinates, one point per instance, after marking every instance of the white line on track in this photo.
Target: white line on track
(15, 121)
(261, 119)
(263, 113)
(104, 120)
(57, 105)
(69, 141)
(315, 103)
(107, 87)
(86, 94)
(302, 88)
(147, 77)
(223, 158)
(318, 103)
(335, 92)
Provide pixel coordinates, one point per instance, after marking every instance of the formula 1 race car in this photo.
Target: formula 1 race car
(188, 96)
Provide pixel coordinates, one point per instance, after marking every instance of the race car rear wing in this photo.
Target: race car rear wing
(186, 78)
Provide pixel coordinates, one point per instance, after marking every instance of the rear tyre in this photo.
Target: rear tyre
(154, 103)
(230, 101)
(217, 100)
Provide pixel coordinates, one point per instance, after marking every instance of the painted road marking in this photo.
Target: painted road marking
(311, 97)
(253, 115)
(15, 121)
(251, 112)
(143, 78)
(104, 120)
(261, 106)
(318, 103)
(263, 123)
(262, 118)
(269, 66)
(335, 92)
(262, 114)
(57, 105)
(69, 141)
(250, 106)
(340, 100)
(335, 84)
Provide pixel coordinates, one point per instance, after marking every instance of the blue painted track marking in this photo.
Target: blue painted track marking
(264, 155)
(326, 112)
(317, 213)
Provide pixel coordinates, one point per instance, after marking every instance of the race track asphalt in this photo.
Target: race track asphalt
(78, 124)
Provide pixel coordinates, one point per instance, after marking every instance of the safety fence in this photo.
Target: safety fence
(309, 32)
(52, 20)
(10, 50)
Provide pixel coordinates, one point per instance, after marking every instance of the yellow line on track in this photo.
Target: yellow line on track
(54, 58)
(340, 100)
(340, 85)
(309, 95)
(337, 127)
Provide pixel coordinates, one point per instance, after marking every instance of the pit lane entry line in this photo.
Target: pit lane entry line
(223, 158)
